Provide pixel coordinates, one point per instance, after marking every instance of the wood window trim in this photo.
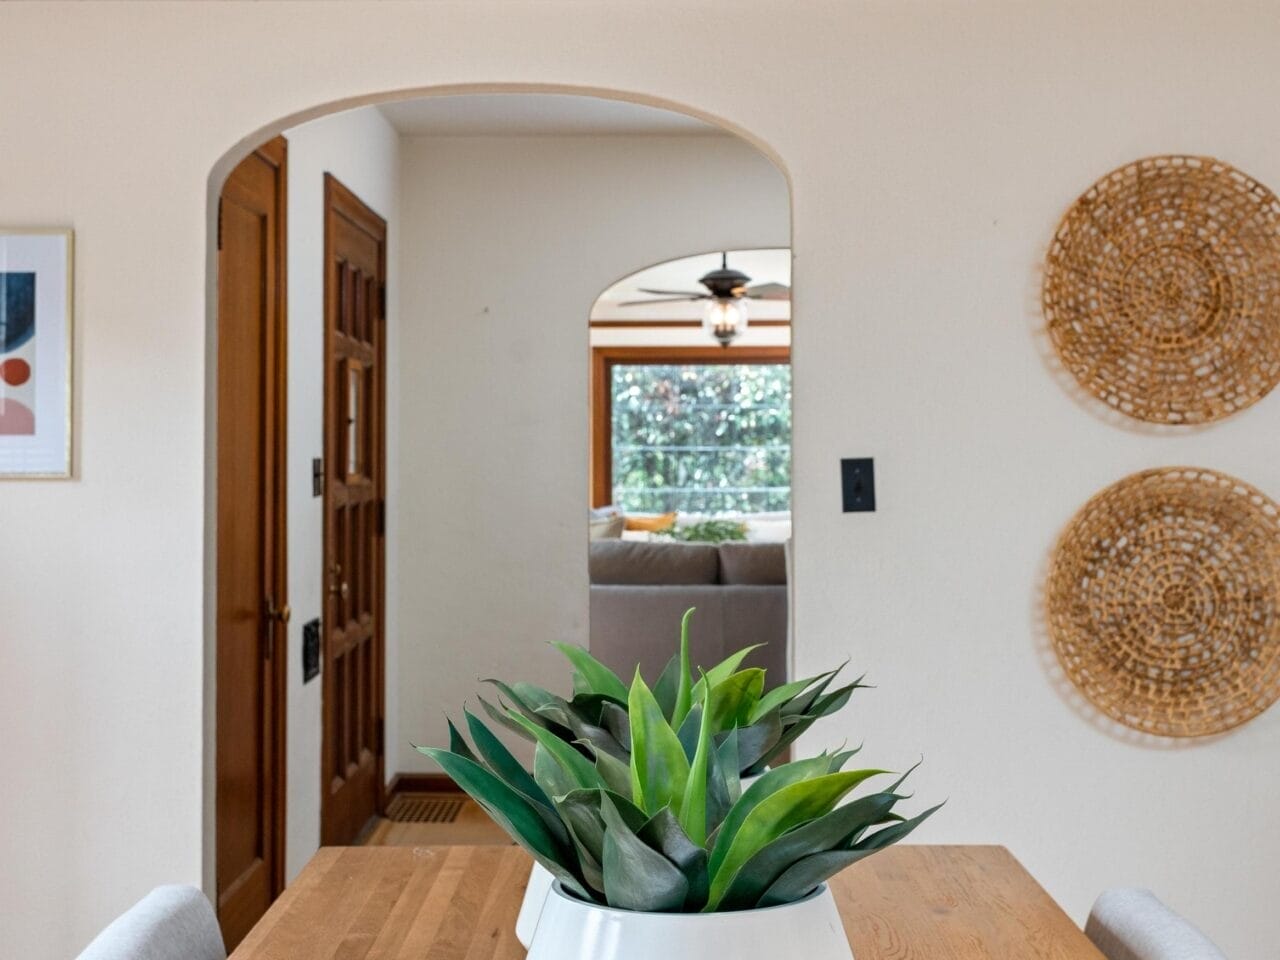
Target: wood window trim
(604, 359)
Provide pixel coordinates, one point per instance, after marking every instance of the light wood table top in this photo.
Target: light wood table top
(909, 902)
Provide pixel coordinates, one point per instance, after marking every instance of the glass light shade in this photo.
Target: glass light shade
(725, 319)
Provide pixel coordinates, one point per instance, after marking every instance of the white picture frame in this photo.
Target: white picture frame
(36, 326)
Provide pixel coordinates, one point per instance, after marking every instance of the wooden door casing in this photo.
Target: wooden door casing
(251, 541)
(352, 764)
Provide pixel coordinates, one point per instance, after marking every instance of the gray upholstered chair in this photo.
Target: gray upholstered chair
(169, 923)
(1132, 924)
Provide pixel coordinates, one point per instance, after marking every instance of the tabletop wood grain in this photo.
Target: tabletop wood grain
(909, 902)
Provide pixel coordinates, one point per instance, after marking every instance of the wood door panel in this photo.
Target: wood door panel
(355, 258)
(249, 791)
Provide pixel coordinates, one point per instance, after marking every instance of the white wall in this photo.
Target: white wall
(362, 150)
(507, 244)
(931, 149)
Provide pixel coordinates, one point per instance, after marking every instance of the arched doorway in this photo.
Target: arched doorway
(496, 245)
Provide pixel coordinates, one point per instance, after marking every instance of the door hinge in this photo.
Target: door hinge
(382, 301)
(382, 518)
(382, 736)
(219, 223)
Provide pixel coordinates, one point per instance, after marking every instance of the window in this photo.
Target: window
(697, 430)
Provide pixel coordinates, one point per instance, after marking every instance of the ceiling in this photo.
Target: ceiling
(536, 114)
(762, 266)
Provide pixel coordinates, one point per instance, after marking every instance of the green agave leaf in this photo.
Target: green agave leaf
(457, 744)
(659, 767)
(564, 714)
(780, 696)
(684, 685)
(579, 768)
(500, 716)
(838, 760)
(515, 814)
(722, 671)
(580, 811)
(893, 788)
(614, 719)
(597, 678)
(767, 785)
(693, 806)
(890, 835)
(663, 832)
(818, 836)
(733, 699)
(757, 744)
(792, 728)
(590, 706)
(831, 702)
(793, 805)
(689, 730)
(802, 703)
(636, 876)
(729, 765)
(615, 773)
(664, 691)
(527, 708)
(554, 780)
(802, 876)
(501, 761)
(798, 880)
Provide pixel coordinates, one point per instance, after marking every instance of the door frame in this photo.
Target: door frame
(275, 153)
(341, 202)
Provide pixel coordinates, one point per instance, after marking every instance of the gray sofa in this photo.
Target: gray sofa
(640, 590)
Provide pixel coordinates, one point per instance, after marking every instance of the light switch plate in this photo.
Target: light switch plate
(858, 484)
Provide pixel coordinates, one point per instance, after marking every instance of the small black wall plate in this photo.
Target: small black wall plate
(310, 650)
(858, 484)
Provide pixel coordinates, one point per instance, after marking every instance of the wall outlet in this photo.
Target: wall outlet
(858, 484)
(310, 650)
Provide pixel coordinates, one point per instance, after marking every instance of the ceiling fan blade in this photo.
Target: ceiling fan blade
(641, 303)
(769, 291)
(699, 294)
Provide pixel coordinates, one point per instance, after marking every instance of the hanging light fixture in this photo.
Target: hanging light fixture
(725, 318)
(725, 314)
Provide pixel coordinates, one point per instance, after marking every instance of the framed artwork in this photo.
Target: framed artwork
(35, 353)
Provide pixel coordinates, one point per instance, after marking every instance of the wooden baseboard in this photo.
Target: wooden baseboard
(422, 783)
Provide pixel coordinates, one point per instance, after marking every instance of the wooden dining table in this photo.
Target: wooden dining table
(909, 902)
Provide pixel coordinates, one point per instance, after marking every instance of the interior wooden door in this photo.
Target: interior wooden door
(251, 541)
(354, 514)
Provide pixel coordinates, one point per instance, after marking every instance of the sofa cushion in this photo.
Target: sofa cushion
(640, 626)
(653, 563)
(606, 528)
(759, 564)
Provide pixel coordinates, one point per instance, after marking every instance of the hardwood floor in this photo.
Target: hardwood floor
(434, 819)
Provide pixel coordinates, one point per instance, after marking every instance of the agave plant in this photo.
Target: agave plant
(670, 829)
(596, 717)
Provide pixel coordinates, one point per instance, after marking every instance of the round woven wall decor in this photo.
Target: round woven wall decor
(1162, 290)
(1163, 602)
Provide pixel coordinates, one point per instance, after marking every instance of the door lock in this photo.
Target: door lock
(337, 587)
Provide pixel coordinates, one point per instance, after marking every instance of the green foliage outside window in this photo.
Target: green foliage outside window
(702, 438)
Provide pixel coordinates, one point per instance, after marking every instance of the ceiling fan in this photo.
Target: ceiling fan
(725, 316)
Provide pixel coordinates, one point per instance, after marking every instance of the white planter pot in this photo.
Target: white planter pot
(539, 885)
(571, 929)
(535, 895)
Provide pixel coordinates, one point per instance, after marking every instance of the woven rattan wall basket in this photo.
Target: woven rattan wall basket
(1162, 290)
(1163, 602)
